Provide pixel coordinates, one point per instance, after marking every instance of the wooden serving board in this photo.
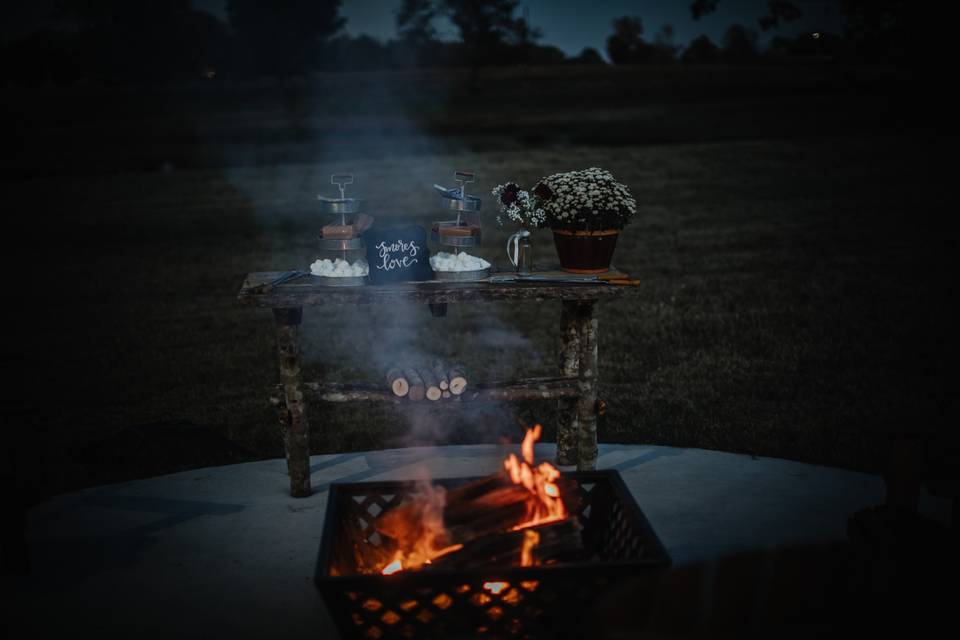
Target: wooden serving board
(556, 272)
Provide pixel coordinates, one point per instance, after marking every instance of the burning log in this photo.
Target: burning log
(458, 379)
(440, 373)
(544, 543)
(481, 519)
(433, 391)
(398, 384)
(417, 389)
(481, 516)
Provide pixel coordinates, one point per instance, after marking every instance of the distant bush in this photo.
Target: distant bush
(701, 50)
(589, 56)
(627, 46)
(739, 45)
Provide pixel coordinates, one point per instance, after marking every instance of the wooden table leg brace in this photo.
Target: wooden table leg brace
(296, 434)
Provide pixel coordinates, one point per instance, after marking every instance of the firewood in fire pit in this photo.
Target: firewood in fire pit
(555, 541)
(440, 373)
(417, 389)
(400, 521)
(398, 384)
(458, 379)
(490, 506)
(433, 391)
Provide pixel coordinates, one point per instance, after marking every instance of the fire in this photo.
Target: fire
(530, 540)
(539, 480)
(422, 536)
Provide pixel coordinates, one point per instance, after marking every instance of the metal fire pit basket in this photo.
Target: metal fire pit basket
(545, 601)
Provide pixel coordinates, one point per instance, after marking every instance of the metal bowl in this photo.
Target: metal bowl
(470, 203)
(456, 241)
(461, 276)
(340, 205)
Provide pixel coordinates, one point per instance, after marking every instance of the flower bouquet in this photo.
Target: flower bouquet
(586, 210)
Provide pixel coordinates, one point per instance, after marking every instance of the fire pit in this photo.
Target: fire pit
(485, 593)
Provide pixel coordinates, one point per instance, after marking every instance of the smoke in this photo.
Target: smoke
(380, 128)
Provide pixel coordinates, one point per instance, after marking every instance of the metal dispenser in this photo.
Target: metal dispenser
(341, 238)
(463, 232)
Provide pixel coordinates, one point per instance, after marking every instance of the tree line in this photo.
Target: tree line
(152, 40)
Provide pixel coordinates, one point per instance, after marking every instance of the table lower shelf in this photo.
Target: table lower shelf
(505, 391)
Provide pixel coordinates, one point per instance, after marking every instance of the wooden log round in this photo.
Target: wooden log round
(432, 388)
(417, 391)
(458, 379)
(398, 384)
(440, 373)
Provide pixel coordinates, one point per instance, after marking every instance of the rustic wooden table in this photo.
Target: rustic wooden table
(575, 387)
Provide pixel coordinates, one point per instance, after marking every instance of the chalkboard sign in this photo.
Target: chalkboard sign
(398, 255)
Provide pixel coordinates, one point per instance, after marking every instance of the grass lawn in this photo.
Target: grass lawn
(794, 304)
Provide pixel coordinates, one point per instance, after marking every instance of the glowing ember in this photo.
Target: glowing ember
(495, 587)
(393, 567)
(530, 540)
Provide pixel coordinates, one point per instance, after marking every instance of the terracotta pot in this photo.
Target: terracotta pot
(585, 251)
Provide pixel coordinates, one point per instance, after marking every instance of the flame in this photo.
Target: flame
(539, 480)
(427, 538)
(421, 537)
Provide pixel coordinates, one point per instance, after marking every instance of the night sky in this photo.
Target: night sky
(575, 24)
(568, 24)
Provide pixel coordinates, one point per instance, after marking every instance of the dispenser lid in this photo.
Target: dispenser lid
(343, 204)
(456, 198)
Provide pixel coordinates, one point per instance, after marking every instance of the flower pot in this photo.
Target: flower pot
(585, 251)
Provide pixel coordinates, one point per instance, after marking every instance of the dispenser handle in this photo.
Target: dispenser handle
(464, 178)
(341, 180)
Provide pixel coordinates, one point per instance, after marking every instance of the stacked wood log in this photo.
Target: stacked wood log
(439, 382)
(417, 390)
(482, 516)
(398, 384)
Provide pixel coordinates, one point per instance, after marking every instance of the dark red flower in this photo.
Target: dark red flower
(542, 191)
(509, 194)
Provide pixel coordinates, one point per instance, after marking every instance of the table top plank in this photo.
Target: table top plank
(306, 291)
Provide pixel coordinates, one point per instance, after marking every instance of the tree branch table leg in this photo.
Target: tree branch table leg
(568, 424)
(296, 434)
(587, 402)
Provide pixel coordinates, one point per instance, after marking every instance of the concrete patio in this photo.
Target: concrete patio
(225, 551)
